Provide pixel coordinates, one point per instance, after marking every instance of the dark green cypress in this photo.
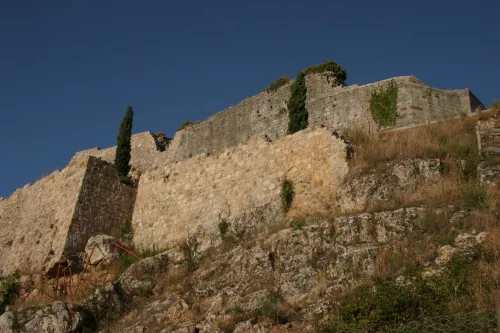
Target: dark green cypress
(123, 146)
(297, 113)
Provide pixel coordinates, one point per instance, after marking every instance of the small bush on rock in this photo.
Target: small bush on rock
(287, 195)
(278, 83)
(475, 197)
(184, 125)
(9, 290)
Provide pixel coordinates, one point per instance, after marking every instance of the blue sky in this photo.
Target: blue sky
(68, 69)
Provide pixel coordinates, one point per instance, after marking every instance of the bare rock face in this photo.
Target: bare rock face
(55, 318)
(488, 174)
(100, 249)
(357, 192)
(141, 278)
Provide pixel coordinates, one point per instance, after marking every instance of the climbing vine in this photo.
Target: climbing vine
(383, 106)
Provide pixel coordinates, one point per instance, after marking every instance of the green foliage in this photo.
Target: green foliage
(278, 83)
(298, 223)
(332, 68)
(189, 248)
(271, 307)
(383, 106)
(9, 290)
(390, 303)
(287, 195)
(184, 125)
(475, 197)
(223, 228)
(123, 146)
(495, 104)
(127, 180)
(297, 113)
(126, 260)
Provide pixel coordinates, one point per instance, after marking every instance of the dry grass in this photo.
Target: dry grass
(450, 139)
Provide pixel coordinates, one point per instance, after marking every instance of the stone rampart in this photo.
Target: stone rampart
(176, 199)
(58, 213)
(335, 107)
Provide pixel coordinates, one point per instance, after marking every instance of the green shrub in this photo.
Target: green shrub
(297, 113)
(287, 195)
(475, 197)
(223, 228)
(298, 223)
(123, 146)
(185, 125)
(383, 106)
(388, 303)
(189, 248)
(278, 83)
(331, 67)
(9, 290)
(127, 180)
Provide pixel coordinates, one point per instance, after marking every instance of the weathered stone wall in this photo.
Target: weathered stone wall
(175, 200)
(266, 113)
(143, 156)
(104, 205)
(35, 219)
(417, 103)
(80, 200)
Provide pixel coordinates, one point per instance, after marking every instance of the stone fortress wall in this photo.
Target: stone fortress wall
(218, 168)
(175, 200)
(58, 213)
(335, 107)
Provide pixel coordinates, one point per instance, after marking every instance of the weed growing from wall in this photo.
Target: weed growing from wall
(287, 195)
(278, 83)
(297, 113)
(184, 125)
(331, 69)
(383, 106)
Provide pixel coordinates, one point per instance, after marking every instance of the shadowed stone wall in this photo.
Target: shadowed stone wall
(58, 213)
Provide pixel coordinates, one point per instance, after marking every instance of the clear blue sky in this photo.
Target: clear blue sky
(68, 69)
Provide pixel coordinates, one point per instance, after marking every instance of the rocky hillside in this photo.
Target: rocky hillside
(414, 234)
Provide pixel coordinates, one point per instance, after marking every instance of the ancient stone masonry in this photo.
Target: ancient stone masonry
(336, 107)
(223, 168)
(57, 214)
(175, 200)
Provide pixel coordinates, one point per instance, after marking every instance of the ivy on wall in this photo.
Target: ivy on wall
(297, 113)
(383, 106)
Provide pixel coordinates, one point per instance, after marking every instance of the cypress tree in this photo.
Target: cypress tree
(123, 146)
(297, 113)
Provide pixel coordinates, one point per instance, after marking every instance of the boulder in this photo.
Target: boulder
(141, 278)
(100, 248)
(357, 193)
(58, 317)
